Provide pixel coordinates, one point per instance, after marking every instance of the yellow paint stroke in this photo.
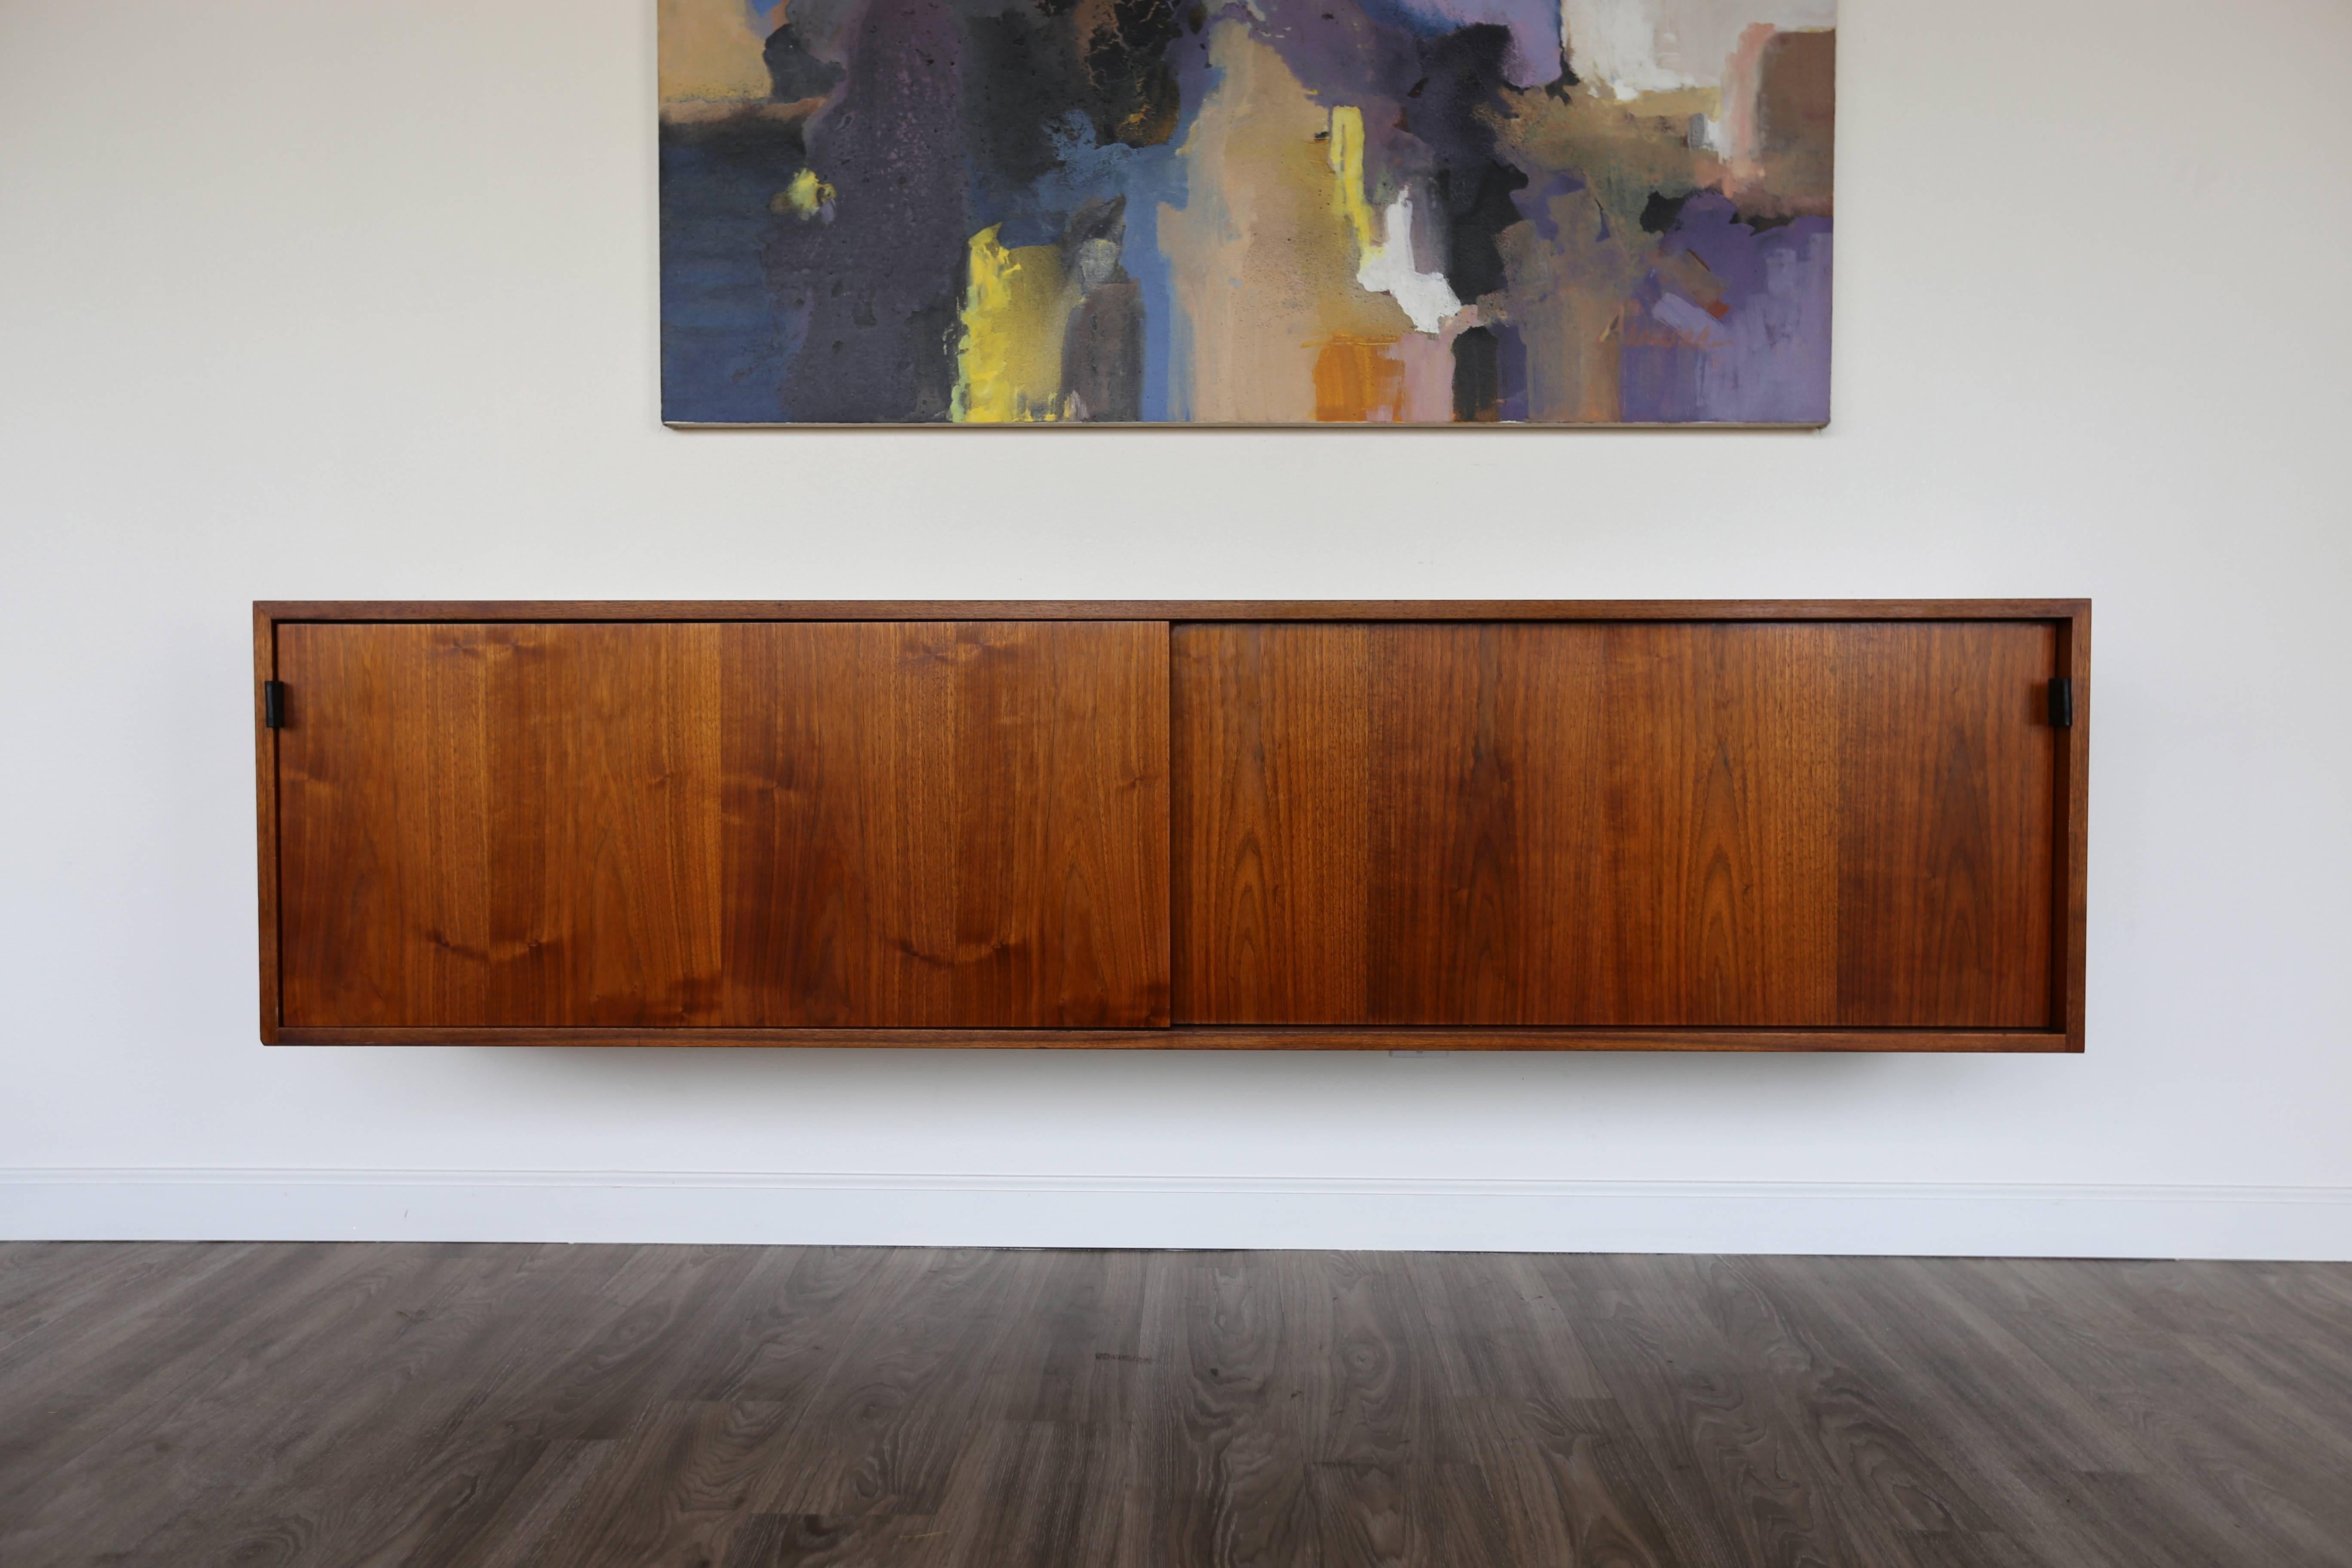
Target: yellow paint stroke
(1016, 312)
(805, 198)
(1347, 155)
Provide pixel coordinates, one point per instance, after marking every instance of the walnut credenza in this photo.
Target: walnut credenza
(1484, 826)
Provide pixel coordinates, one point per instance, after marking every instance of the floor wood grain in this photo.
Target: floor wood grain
(498, 1407)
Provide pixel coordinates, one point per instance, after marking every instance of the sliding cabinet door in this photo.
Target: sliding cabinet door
(932, 825)
(1769, 825)
(769, 824)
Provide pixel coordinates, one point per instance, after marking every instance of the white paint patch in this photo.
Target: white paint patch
(1634, 46)
(1615, 44)
(1387, 268)
(1687, 319)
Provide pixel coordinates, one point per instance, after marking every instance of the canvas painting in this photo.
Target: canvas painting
(1258, 212)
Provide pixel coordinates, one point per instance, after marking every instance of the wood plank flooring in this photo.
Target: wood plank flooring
(757, 1407)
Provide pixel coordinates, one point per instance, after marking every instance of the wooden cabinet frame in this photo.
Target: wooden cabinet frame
(2070, 617)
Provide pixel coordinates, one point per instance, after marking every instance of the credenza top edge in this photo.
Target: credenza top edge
(275, 612)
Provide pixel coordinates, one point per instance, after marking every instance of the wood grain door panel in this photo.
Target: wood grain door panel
(1753, 825)
(499, 824)
(943, 824)
(723, 824)
(1948, 810)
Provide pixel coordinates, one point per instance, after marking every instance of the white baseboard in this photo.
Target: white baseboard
(121, 1204)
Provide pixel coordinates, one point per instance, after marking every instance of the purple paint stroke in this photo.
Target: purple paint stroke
(881, 282)
(1534, 59)
(1764, 359)
(1389, 60)
(1534, 200)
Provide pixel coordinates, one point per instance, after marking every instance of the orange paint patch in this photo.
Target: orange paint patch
(1357, 380)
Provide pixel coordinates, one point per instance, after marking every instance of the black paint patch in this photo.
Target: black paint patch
(1661, 212)
(1461, 86)
(793, 73)
(1477, 377)
(1135, 99)
(1478, 201)
(1023, 80)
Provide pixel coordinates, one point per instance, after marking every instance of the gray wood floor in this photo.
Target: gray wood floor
(752, 1406)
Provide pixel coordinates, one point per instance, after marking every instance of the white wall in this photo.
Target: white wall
(305, 300)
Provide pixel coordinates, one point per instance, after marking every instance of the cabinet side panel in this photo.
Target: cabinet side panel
(2070, 905)
(1948, 813)
(264, 784)
(1268, 741)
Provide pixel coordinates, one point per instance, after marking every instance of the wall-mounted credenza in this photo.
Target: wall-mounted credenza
(1486, 826)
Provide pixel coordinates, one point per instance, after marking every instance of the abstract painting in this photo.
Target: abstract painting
(1246, 212)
